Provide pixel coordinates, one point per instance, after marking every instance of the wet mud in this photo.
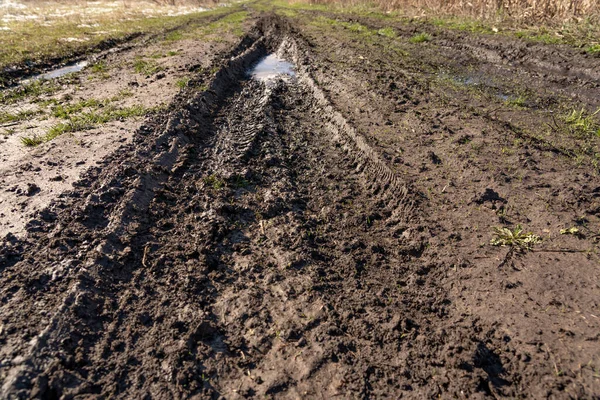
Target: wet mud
(268, 238)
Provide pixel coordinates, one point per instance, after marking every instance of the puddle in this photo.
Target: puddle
(271, 68)
(478, 81)
(59, 71)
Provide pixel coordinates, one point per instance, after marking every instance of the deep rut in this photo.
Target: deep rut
(254, 245)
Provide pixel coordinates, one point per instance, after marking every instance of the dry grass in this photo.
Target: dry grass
(523, 11)
(38, 31)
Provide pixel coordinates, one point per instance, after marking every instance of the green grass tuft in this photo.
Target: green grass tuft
(7, 117)
(581, 123)
(421, 38)
(514, 238)
(93, 118)
(183, 82)
(174, 36)
(32, 141)
(517, 102)
(214, 181)
(387, 32)
(33, 89)
(99, 67)
(146, 67)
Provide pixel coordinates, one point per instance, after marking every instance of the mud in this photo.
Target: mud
(316, 237)
(54, 166)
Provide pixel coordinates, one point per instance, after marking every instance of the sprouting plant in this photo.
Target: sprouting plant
(238, 182)
(183, 82)
(514, 238)
(420, 38)
(517, 102)
(581, 123)
(387, 32)
(145, 67)
(570, 231)
(214, 181)
(32, 141)
(98, 67)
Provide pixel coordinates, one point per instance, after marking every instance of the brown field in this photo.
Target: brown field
(273, 200)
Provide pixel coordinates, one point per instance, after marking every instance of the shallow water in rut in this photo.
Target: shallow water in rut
(271, 68)
(57, 73)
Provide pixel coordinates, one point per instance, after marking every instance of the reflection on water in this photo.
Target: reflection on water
(56, 73)
(271, 68)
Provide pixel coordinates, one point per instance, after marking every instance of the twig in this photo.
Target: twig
(559, 251)
(507, 257)
(144, 256)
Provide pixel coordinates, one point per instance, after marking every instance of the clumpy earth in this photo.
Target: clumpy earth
(327, 234)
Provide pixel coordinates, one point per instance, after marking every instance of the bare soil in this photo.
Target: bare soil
(323, 236)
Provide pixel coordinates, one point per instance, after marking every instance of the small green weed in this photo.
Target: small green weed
(514, 238)
(90, 119)
(420, 38)
(214, 181)
(32, 141)
(32, 89)
(581, 123)
(146, 67)
(65, 111)
(387, 32)
(7, 117)
(183, 82)
(99, 67)
(593, 49)
(517, 102)
(174, 36)
(238, 182)
(570, 231)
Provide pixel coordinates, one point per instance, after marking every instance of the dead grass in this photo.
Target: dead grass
(38, 32)
(529, 11)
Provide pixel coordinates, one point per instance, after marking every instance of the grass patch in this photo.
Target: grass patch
(146, 67)
(183, 82)
(32, 141)
(593, 49)
(581, 123)
(355, 27)
(29, 42)
(90, 119)
(100, 113)
(65, 111)
(7, 117)
(214, 182)
(33, 89)
(387, 32)
(514, 238)
(517, 102)
(420, 38)
(98, 68)
(216, 30)
(174, 36)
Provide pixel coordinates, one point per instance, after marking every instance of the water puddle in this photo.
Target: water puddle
(56, 73)
(272, 68)
(478, 81)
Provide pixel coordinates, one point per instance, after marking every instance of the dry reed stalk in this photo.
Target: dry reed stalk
(527, 11)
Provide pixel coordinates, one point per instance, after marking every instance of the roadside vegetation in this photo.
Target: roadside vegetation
(552, 22)
(51, 33)
(85, 114)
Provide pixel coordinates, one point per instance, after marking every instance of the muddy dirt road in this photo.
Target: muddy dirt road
(325, 233)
